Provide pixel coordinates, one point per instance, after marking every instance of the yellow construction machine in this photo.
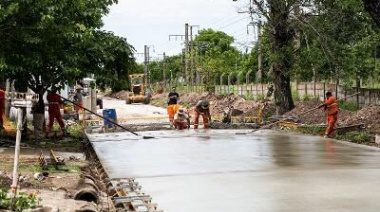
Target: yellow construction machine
(138, 90)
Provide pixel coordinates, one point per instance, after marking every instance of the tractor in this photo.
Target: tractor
(138, 90)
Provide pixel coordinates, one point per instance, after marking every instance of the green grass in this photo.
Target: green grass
(361, 137)
(312, 130)
(350, 106)
(260, 97)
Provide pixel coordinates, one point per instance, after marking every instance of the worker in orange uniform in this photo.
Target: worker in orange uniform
(172, 104)
(78, 98)
(202, 108)
(181, 120)
(331, 108)
(2, 108)
(55, 101)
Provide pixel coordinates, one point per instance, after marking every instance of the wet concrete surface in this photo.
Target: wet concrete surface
(219, 170)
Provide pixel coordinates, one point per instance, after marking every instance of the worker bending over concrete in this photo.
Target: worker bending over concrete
(331, 108)
(181, 120)
(172, 104)
(202, 108)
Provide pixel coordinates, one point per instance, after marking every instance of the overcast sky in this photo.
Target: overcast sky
(150, 22)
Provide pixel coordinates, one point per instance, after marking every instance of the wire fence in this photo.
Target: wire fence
(300, 91)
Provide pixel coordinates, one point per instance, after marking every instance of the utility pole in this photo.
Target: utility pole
(146, 63)
(164, 68)
(186, 74)
(192, 55)
(184, 61)
(259, 74)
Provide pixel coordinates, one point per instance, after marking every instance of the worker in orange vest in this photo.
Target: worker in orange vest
(54, 101)
(331, 108)
(202, 109)
(2, 108)
(181, 120)
(78, 99)
(172, 104)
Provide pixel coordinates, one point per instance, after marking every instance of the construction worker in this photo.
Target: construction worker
(331, 108)
(2, 108)
(172, 104)
(54, 101)
(181, 120)
(78, 98)
(38, 111)
(202, 108)
(227, 115)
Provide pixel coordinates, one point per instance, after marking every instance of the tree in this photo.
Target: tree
(118, 61)
(373, 8)
(337, 42)
(281, 37)
(216, 53)
(49, 42)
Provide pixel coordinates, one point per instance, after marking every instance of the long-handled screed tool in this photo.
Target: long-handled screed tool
(308, 111)
(104, 118)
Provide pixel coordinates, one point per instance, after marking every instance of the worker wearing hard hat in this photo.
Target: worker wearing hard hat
(202, 108)
(181, 119)
(172, 104)
(78, 98)
(331, 108)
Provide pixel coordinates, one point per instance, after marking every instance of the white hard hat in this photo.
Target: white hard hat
(181, 111)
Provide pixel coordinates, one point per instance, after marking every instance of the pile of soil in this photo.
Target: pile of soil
(123, 95)
(369, 115)
(316, 116)
(5, 180)
(218, 103)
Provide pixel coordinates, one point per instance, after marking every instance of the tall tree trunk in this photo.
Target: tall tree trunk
(373, 8)
(281, 38)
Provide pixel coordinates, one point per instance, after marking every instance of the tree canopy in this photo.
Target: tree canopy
(57, 42)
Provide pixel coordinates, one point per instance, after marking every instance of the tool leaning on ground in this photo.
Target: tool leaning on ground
(308, 111)
(112, 122)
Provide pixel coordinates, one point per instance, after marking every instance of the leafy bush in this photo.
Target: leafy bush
(20, 202)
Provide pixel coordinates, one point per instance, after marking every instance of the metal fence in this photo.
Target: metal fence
(300, 90)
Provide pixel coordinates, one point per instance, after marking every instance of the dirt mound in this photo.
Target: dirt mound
(123, 95)
(5, 180)
(160, 96)
(369, 115)
(316, 116)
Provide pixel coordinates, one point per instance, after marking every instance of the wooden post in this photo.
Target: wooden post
(17, 150)
(357, 90)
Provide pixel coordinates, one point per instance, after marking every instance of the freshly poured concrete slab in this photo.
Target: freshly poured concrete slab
(188, 171)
